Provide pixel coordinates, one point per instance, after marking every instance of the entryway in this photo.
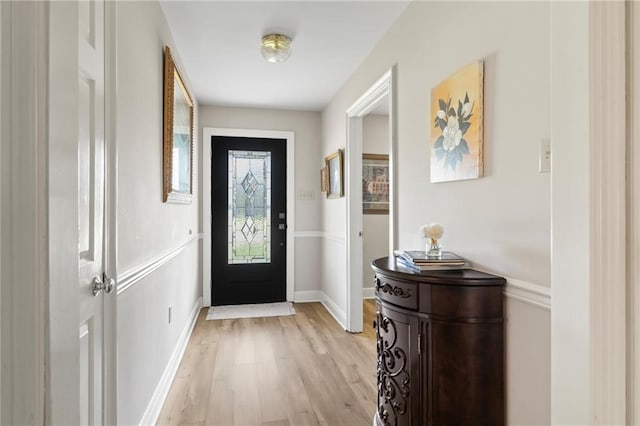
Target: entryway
(244, 252)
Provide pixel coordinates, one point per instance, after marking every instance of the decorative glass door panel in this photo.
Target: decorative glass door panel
(249, 211)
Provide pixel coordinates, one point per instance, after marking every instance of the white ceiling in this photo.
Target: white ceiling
(219, 45)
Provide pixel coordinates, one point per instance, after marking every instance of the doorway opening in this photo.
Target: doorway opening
(249, 180)
(380, 97)
(209, 137)
(375, 191)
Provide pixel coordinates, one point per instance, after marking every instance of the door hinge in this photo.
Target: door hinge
(419, 343)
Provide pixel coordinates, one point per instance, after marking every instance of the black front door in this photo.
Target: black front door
(249, 220)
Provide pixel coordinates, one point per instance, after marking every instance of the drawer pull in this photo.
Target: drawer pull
(393, 290)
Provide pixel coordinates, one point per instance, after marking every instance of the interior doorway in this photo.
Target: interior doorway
(380, 97)
(375, 191)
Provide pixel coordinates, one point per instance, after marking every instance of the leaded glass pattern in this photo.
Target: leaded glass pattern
(249, 209)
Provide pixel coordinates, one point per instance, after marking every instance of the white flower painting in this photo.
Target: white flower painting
(456, 137)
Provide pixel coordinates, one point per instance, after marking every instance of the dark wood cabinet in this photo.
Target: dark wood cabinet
(440, 346)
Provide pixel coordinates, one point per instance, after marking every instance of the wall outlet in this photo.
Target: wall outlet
(544, 160)
(169, 315)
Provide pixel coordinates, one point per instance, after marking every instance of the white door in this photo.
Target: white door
(91, 207)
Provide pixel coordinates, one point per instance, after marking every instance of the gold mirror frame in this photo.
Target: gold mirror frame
(335, 174)
(173, 79)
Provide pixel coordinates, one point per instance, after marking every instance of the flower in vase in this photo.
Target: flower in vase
(432, 231)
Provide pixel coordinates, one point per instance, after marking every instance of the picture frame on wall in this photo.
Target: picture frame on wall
(457, 123)
(177, 136)
(375, 184)
(335, 174)
(324, 179)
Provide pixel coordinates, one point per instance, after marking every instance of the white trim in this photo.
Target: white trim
(332, 307)
(207, 134)
(110, 315)
(308, 296)
(308, 234)
(607, 181)
(368, 292)
(179, 198)
(150, 416)
(533, 294)
(134, 275)
(339, 239)
(384, 86)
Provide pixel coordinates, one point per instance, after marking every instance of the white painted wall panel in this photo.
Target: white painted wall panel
(501, 222)
(146, 339)
(147, 227)
(570, 314)
(528, 363)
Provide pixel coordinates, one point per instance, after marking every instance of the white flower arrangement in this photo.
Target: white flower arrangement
(432, 231)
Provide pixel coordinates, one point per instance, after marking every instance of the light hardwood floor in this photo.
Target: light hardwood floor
(298, 370)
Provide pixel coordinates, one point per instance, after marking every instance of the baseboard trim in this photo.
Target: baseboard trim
(134, 275)
(328, 303)
(308, 296)
(338, 314)
(151, 414)
(532, 294)
(368, 292)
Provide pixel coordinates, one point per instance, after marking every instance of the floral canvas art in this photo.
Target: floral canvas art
(457, 126)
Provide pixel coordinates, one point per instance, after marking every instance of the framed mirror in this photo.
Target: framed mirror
(177, 137)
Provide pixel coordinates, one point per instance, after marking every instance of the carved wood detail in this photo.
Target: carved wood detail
(393, 379)
(392, 289)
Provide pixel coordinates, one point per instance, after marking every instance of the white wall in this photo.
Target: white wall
(375, 227)
(500, 222)
(570, 316)
(148, 229)
(308, 161)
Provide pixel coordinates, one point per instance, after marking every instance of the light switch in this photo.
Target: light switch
(306, 195)
(544, 161)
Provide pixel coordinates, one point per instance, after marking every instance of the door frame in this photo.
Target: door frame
(207, 216)
(384, 87)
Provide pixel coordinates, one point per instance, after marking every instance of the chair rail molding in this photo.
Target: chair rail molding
(134, 275)
(532, 294)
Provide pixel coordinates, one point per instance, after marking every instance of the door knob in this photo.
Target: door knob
(98, 285)
(102, 283)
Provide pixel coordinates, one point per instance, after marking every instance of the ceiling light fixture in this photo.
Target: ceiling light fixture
(276, 47)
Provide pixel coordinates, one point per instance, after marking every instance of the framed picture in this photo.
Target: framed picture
(375, 184)
(324, 179)
(177, 136)
(333, 163)
(456, 133)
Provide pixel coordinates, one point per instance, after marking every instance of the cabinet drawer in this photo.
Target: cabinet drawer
(399, 293)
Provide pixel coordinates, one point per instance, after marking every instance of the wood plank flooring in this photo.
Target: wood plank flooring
(298, 370)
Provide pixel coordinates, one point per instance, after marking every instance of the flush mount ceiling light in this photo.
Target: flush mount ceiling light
(276, 47)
